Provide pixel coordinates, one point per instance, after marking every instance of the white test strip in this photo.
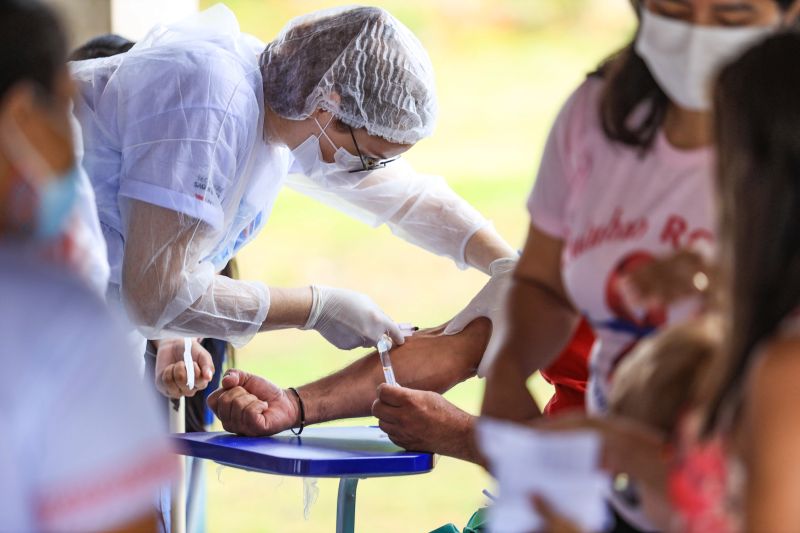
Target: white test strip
(187, 360)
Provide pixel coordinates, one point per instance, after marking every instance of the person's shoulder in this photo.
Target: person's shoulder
(773, 378)
(591, 88)
(587, 94)
(184, 82)
(577, 129)
(56, 321)
(779, 358)
(36, 292)
(206, 56)
(200, 68)
(580, 114)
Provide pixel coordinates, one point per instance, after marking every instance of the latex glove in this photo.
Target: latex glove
(171, 370)
(251, 405)
(349, 319)
(490, 301)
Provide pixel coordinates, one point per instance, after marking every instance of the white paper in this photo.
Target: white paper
(561, 467)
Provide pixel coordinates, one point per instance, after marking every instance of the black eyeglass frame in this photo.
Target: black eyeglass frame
(368, 163)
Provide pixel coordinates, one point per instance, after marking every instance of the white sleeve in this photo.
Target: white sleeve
(420, 208)
(187, 131)
(169, 289)
(185, 128)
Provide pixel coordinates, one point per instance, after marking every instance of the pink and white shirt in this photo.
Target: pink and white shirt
(617, 208)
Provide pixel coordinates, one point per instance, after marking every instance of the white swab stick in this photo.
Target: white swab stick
(187, 360)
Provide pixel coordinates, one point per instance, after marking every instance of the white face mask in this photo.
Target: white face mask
(309, 156)
(685, 58)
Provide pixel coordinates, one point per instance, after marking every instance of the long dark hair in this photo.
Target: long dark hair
(630, 87)
(757, 128)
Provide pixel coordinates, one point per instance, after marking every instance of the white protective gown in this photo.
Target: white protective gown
(174, 147)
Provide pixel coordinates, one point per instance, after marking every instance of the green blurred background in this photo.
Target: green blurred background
(503, 69)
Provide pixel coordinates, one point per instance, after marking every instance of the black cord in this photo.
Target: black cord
(302, 413)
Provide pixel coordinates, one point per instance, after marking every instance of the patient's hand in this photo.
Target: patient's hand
(251, 405)
(171, 370)
(425, 421)
(428, 361)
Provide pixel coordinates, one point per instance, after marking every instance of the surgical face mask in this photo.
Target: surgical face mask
(685, 58)
(50, 204)
(55, 201)
(309, 156)
(343, 159)
(54, 195)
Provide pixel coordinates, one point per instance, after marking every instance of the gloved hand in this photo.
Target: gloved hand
(490, 300)
(348, 319)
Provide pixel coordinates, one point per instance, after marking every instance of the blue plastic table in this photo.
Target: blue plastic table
(347, 453)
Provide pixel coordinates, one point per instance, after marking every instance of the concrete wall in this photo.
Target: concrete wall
(132, 18)
(85, 18)
(129, 18)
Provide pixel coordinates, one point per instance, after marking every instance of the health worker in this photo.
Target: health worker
(190, 135)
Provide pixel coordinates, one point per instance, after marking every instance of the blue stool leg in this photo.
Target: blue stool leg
(346, 505)
(196, 497)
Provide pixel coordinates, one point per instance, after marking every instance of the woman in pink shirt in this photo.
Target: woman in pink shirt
(626, 177)
(729, 451)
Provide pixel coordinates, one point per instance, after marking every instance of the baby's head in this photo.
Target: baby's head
(660, 379)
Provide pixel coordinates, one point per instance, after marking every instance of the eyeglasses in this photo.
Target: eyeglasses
(368, 163)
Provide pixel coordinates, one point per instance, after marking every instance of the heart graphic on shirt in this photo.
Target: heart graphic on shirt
(637, 322)
(641, 318)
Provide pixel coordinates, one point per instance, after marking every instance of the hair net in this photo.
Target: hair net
(361, 64)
